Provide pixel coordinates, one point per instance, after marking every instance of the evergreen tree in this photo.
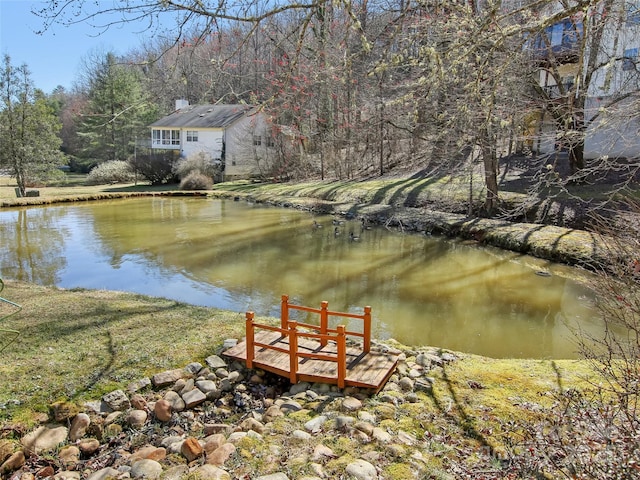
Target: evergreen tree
(117, 112)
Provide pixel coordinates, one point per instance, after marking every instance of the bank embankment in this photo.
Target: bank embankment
(558, 244)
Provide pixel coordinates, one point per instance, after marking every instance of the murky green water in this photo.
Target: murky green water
(238, 256)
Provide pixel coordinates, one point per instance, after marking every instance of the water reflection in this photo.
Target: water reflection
(237, 256)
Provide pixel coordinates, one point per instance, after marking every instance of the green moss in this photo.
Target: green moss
(399, 471)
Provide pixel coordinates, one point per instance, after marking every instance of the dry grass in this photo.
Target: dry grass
(72, 188)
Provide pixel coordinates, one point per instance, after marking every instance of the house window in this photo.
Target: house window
(166, 137)
(192, 135)
(257, 140)
(271, 142)
(630, 58)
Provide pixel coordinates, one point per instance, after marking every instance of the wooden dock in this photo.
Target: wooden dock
(309, 353)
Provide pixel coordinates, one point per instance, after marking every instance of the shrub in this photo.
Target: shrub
(199, 162)
(116, 171)
(156, 167)
(196, 181)
(82, 165)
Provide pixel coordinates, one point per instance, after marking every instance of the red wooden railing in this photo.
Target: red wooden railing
(321, 333)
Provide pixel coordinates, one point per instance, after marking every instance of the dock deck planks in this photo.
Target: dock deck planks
(364, 370)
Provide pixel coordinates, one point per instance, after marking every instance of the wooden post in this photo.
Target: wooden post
(284, 312)
(342, 355)
(324, 321)
(250, 347)
(293, 352)
(367, 330)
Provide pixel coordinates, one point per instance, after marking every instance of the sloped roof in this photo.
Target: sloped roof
(203, 116)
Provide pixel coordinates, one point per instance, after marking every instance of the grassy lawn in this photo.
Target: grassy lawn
(78, 344)
(73, 186)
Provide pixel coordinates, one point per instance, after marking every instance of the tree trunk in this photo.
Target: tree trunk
(490, 162)
(576, 150)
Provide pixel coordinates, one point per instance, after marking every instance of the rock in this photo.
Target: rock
(193, 368)
(251, 424)
(351, 404)
(176, 473)
(380, 435)
(175, 448)
(362, 470)
(447, 357)
(191, 449)
(407, 438)
(13, 463)
(162, 410)
(67, 475)
(301, 435)
(212, 428)
(138, 402)
(315, 424)
(105, 474)
(117, 400)
(69, 455)
(187, 385)
(168, 441)
(147, 469)
(179, 386)
(273, 476)
(406, 384)
(136, 418)
(207, 386)
(88, 446)
(139, 385)
(342, 422)
(148, 452)
(214, 362)
(412, 397)
(290, 406)
(168, 377)
(366, 416)
(6, 449)
(46, 471)
(175, 400)
(210, 472)
(212, 442)
(79, 426)
(299, 388)
(321, 453)
(236, 437)
(44, 438)
(112, 417)
(64, 411)
(221, 454)
(364, 427)
(423, 385)
(193, 398)
(272, 413)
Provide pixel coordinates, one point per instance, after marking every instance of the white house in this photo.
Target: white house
(237, 137)
(613, 127)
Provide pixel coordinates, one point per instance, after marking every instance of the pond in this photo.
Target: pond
(239, 256)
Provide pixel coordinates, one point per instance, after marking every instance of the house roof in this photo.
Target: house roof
(203, 116)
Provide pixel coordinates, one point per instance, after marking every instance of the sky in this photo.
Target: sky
(54, 58)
